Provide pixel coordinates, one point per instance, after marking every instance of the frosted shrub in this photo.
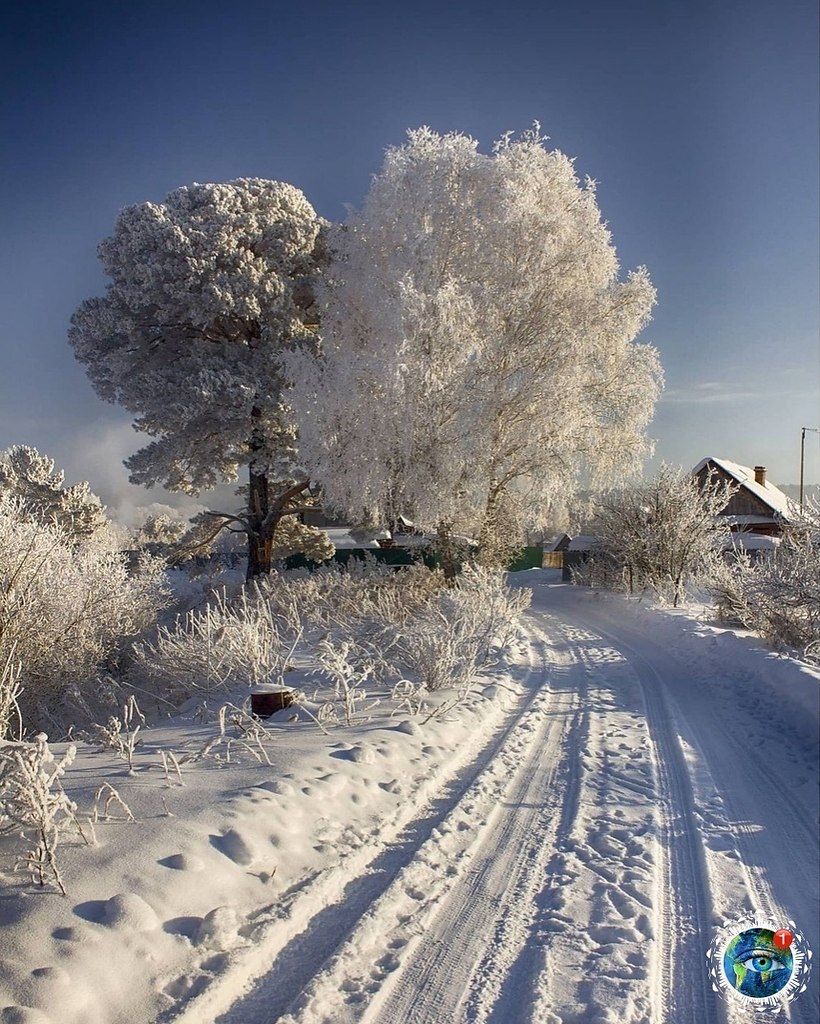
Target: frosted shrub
(252, 638)
(249, 640)
(36, 483)
(365, 599)
(10, 691)
(34, 805)
(658, 536)
(458, 632)
(66, 609)
(779, 595)
(237, 728)
(348, 668)
(120, 733)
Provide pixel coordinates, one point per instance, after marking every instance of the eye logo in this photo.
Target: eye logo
(759, 963)
(754, 966)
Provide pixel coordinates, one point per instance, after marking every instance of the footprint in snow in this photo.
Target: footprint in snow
(182, 862)
(234, 846)
(185, 926)
(129, 911)
(218, 930)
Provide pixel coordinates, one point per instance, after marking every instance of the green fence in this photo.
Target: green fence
(388, 556)
(527, 558)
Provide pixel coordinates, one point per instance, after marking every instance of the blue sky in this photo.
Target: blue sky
(699, 120)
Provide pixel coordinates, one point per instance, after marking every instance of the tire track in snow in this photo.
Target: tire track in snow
(429, 850)
(741, 879)
(683, 906)
(480, 937)
(594, 931)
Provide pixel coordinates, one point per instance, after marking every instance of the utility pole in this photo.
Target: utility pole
(813, 430)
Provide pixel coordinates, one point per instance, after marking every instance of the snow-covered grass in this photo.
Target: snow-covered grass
(220, 852)
(164, 804)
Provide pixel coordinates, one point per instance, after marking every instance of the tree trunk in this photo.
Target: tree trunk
(446, 549)
(487, 533)
(260, 532)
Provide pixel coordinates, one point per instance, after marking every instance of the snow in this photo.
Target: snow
(603, 799)
(754, 542)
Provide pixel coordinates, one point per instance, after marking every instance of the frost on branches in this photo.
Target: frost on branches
(34, 806)
(662, 535)
(206, 291)
(477, 344)
(32, 478)
(67, 611)
(778, 595)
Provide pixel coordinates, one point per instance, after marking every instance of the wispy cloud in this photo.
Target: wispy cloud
(712, 392)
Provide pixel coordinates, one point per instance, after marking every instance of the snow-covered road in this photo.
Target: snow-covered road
(649, 783)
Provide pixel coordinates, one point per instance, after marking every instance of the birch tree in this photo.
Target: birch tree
(206, 292)
(478, 346)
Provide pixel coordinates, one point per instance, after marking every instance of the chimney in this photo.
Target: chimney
(760, 475)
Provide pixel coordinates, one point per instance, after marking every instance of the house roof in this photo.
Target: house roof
(780, 504)
(584, 542)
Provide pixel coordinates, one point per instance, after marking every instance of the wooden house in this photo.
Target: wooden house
(756, 506)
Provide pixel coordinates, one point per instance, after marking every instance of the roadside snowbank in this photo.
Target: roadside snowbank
(220, 856)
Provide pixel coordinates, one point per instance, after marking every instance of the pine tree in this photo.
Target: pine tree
(206, 292)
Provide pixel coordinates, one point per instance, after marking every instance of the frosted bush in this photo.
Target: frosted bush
(119, 733)
(248, 641)
(10, 691)
(779, 595)
(456, 634)
(348, 668)
(66, 610)
(658, 536)
(367, 623)
(34, 480)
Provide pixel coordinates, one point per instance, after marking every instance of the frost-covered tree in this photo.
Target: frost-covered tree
(32, 478)
(478, 346)
(207, 290)
(660, 535)
(161, 533)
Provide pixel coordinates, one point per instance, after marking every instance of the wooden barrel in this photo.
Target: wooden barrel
(263, 705)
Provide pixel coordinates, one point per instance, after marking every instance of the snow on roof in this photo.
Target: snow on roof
(748, 520)
(342, 539)
(777, 501)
